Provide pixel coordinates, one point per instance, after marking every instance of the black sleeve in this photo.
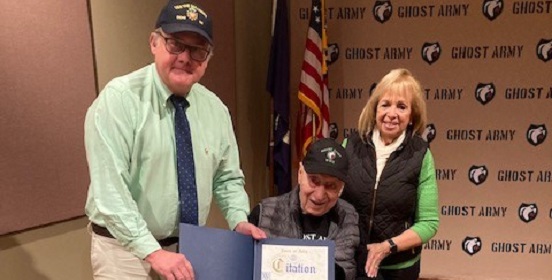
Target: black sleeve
(254, 216)
(339, 272)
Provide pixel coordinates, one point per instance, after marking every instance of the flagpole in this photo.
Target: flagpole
(313, 127)
(271, 180)
(271, 189)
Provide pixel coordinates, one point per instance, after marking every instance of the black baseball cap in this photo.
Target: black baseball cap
(179, 16)
(325, 156)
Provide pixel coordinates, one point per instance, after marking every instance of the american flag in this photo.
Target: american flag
(314, 113)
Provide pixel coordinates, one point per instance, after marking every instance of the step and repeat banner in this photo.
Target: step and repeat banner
(486, 67)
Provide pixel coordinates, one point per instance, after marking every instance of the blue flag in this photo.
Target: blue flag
(278, 86)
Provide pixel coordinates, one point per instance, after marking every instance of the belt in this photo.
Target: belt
(99, 230)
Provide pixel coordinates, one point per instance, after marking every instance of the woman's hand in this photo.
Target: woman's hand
(376, 253)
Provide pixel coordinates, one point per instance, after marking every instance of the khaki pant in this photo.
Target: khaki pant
(111, 261)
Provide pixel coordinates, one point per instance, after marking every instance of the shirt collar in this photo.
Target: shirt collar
(164, 91)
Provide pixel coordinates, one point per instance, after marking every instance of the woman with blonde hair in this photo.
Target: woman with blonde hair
(391, 180)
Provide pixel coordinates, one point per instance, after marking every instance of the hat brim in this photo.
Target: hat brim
(326, 170)
(181, 27)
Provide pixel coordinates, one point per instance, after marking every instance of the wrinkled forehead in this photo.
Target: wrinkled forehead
(324, 178)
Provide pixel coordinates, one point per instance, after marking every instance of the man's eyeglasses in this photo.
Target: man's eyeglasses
(174, 46)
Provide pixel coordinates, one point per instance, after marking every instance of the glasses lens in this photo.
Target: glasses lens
(175, 47)
(198, 53)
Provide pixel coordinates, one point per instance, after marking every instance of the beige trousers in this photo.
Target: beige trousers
(111, 261)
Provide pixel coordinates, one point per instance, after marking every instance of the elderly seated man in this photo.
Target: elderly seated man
(313, 210)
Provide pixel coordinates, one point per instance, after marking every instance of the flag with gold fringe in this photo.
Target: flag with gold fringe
(314, 114)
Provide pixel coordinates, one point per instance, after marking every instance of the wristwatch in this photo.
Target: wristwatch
(393, 246)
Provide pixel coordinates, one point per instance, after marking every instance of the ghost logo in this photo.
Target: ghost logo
(528, 212)
(492, 8)
(544, 50)
(536, 134)
(429, 133)
(478, 174)
(484, 93)
(372, 88)
(332, 53)
(382, 11)
(471, 245)
(431, 52)
(330, 156)
(334, 132)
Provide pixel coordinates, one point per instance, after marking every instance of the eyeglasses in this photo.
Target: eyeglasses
(175, 46)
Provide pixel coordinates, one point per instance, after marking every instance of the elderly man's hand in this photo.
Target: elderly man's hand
(250, 229)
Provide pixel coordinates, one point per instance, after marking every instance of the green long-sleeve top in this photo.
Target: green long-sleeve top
(426, 221)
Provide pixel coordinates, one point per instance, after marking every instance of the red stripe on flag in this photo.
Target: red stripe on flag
(314, 112)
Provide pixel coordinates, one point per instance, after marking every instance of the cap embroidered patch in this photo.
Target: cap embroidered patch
(179, 16)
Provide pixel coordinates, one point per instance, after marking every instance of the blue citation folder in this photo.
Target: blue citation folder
(224, 254)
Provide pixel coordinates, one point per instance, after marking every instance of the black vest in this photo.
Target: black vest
(392, 206)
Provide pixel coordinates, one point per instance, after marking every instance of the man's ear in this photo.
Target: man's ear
(153, 41)
(341, 190)
(301, 174)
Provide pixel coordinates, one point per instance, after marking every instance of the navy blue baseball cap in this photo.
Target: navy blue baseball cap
(179, 16)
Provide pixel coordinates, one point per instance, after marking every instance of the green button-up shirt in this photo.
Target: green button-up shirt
(131, 153)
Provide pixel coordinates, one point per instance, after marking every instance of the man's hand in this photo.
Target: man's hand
(171, 266)
(250, 229)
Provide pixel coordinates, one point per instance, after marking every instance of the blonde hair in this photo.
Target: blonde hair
(398, 81)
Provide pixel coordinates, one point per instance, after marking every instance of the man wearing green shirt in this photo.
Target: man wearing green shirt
(133, 201)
